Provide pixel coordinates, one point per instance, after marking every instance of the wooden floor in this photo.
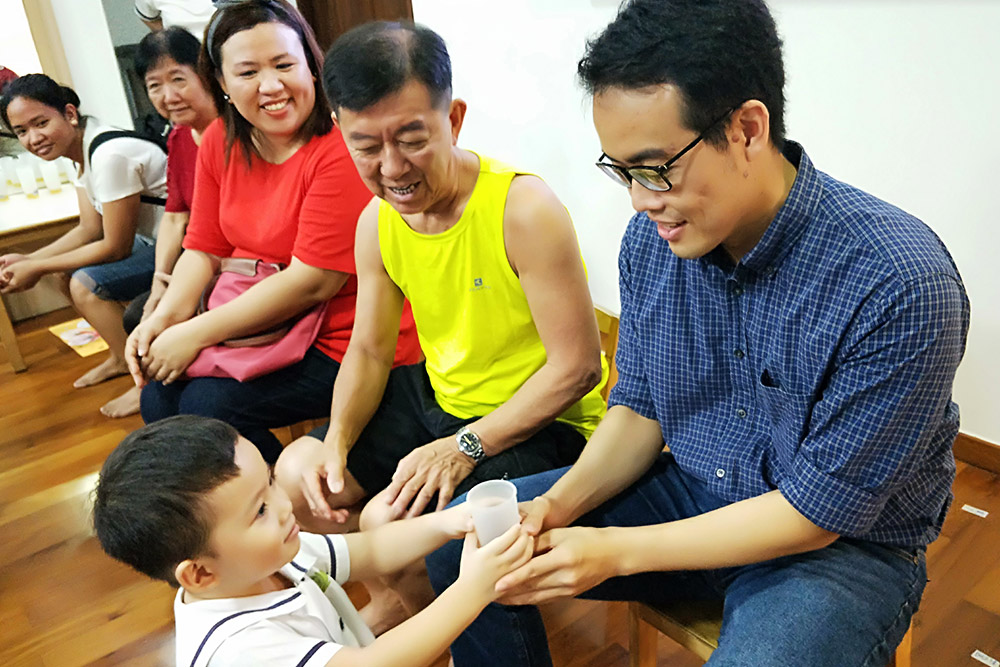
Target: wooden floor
(64, 603)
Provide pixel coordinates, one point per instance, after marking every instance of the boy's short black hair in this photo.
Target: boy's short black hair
(718, 53)
(149, 509)
(376, 59)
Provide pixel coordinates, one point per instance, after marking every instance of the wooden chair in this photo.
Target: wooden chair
(286, 434)
(607, 324)
(696, 626)
(693, 625)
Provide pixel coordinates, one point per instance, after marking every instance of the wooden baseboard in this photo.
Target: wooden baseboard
(977, 452)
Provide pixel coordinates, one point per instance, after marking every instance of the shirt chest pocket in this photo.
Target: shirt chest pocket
(788, 413)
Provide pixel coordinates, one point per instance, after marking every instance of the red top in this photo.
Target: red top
(6, 76)
(182, 157)
(306, 207)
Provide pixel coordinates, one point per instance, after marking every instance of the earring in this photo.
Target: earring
(226, 97)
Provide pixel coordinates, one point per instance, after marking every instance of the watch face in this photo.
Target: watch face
(469, 443)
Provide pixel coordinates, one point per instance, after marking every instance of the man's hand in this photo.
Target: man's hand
(19, 276)
(437, 467)
(171, 352)
(542, 514)
(325, 472)
(567, 562)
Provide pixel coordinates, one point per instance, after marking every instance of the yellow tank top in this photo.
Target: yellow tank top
(472, 317)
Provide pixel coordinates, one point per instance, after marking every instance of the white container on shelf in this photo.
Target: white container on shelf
(68, 169)
(51, 176)
(29, 182)
(8, 170)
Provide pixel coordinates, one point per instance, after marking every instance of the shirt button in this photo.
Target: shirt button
(741, 413)
(737, 291)
(720, 473)
(738, 353)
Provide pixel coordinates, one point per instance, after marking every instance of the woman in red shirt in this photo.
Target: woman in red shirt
(274, 182)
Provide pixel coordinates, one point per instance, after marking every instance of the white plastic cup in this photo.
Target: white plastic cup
(8, 169)
(28, 183)
(67, 168)
(493, 505)
(50, 174)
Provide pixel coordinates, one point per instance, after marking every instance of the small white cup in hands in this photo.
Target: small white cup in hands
(493, 505)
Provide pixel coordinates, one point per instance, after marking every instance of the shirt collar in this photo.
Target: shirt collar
(792, 218)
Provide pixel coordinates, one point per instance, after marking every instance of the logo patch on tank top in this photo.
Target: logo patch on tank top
(477, 285)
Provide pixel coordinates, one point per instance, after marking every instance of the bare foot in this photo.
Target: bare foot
(384, 612)
(112, 367)
(123, 406)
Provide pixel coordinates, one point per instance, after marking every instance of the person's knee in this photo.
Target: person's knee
(81, 289)
(153, 404)
(290, 466)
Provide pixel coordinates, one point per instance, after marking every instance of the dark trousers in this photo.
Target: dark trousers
(409, 417)
(300, 391)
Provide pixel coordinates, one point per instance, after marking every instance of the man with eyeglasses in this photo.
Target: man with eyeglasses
(791, 339)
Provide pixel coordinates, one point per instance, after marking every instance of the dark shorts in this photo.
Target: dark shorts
(410, 417)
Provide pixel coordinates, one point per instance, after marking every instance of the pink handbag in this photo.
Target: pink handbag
(264, 352)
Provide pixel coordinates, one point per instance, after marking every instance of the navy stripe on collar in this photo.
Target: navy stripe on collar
(310, 654)
(231, 617)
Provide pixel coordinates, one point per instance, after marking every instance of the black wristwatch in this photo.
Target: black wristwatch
(470, 444)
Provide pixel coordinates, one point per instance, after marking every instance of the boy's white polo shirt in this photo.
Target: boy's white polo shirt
(300, 626)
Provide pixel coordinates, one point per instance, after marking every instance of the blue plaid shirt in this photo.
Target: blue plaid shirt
(821, 364)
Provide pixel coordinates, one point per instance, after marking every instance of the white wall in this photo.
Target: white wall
(893, 96)
(17, 51)
(91, 56)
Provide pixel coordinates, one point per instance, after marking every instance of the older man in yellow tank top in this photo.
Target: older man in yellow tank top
(490, 263)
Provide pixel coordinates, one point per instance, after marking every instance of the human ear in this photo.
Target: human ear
(194, 575)
(72, 114)
(336, 121)
(750, 127)
(456, 114)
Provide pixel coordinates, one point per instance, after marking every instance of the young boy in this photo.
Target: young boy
(189, 501)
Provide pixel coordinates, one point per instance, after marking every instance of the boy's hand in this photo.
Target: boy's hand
(455, 521)
(482, 567)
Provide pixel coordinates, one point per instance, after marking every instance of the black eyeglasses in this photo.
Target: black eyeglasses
(655, 178)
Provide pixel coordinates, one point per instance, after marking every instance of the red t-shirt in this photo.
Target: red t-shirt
(306, 207)
(182, 158)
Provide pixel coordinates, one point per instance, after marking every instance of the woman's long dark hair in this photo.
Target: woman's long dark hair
(233, 18)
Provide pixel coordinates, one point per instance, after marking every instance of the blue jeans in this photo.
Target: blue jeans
(125, 279)
(846, 605)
